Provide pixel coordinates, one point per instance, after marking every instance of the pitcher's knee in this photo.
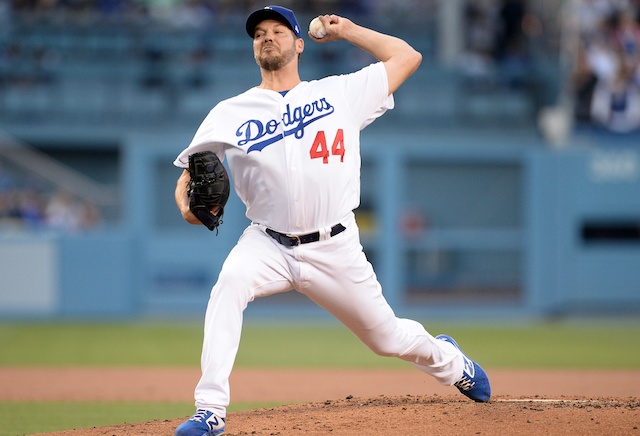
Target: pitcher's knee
(384, 350)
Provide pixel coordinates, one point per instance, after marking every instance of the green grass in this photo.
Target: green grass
(31, 417)
(19, 418)
(568, 346)
(578, 345)
(555, 346)
(545, 345)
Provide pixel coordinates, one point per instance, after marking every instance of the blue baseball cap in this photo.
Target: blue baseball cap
(278, 13)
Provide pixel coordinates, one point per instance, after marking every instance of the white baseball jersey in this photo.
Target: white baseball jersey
(305, 143)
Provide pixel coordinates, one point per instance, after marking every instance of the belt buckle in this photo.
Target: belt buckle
(295, 240)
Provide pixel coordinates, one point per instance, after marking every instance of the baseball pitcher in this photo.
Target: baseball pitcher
(293, 153)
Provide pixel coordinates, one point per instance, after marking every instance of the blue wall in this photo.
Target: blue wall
(570, 191)
(504, 234)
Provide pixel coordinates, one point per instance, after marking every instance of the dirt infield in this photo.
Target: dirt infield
(356, 402)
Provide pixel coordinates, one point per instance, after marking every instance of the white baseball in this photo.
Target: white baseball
(316, 28)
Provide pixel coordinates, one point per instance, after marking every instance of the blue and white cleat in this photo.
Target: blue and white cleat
(474, 382)
(202, 423)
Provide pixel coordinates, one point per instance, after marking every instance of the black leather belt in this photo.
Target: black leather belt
(295, 240)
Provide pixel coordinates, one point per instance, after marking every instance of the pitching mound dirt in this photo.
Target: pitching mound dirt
(418, 415)
(355, 402)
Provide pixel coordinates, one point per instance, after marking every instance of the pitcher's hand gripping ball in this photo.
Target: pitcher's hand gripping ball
(208, 188)
(317, 29)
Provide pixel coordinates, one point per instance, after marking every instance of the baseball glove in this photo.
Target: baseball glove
(208, 187)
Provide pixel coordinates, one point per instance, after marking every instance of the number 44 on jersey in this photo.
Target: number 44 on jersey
(320, 149)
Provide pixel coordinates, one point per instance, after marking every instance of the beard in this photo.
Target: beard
(275, 62)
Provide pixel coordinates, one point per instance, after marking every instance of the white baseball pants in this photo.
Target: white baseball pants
(335, 274)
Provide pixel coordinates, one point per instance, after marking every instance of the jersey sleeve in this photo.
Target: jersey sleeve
(203, 140)
(367, 92)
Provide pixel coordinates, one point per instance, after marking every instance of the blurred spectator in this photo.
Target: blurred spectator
(511, 49)
(28, 207)
(480, 26)
(616, 98)
(584, 82)
(478, 62)
(67, 213)
(626, 39)
(510, 35)
(607, 71)
(498, 36)
(31, 208)
(21, 206)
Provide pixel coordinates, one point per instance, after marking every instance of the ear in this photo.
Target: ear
(299, 45)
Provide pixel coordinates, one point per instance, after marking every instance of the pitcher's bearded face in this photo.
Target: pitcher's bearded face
(274, 45)
(271, 58)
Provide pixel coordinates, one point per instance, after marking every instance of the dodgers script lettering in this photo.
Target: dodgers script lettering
(261, 134)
